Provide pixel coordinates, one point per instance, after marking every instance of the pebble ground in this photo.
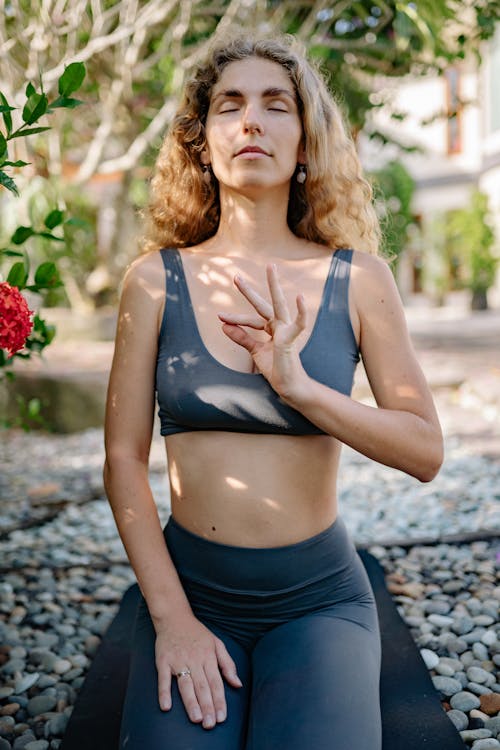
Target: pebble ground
(63, 569)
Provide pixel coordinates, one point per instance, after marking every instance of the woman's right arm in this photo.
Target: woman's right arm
(182, 641)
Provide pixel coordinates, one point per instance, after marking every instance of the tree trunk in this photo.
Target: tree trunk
(479, 299)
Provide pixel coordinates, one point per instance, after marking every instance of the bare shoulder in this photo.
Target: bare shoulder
(145, 269)
(373, 287)
(370, 272)
(144, 288)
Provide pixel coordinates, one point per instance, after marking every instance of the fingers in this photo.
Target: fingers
(300, 321)
(251, 321)
(164, 688)
(202, 689)
(241, 337)
(280, 306)
(263, 307)
(226, 664)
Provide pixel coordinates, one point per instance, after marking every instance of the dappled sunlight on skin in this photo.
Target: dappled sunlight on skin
(175, 481)
(212, 290)
(236, 484)
(130, 516)
(407, 392)
(274, 504)
(261, 489)
(208, 276)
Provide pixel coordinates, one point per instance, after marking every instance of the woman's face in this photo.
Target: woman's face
(253, 128)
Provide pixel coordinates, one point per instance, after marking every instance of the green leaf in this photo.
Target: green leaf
(71, 79)
(35, 107)
(18, 275)
(30, 90)
(3, 146)
(30, 131)
(22, 234)
(64, 101)
(6, 109)
(8, 183)
(75, 221)
(49, 236)
(47, 276)
(53, 219)
(34, 406)
(11, 253)
(44, 332)
(18, 163)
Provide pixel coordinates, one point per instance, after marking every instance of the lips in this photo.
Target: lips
(252, 150)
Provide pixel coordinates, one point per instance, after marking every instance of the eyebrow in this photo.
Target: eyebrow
(269, 93)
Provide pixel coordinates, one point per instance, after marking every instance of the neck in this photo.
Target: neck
(254, 226)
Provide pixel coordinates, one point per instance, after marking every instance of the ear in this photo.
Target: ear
(205, 157)
(301, 155)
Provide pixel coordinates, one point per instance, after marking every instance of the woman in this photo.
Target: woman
(248, 315)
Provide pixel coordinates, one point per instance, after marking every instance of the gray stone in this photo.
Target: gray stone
(5, 744)
(446, 685)
(451, 587)
(26, 681)
(57, 724)
(462, 678)
(476, 674)
(61, 666)
(469, 735)
(445, 670)
(46, 680)
(488, 744)
(40, 704)
(480, 651)
(430, 658)
(477, 689)
(437, 607)
(457, 645)
(441, 621)
(474, 635)
(493, 724)
(21, 742)
(37, 745)
(6, 725)
(464, 701)
(458, 718)
(462, 625)
(488, 638)
(12, 666)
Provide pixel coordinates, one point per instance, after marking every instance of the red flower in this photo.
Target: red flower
(15, 323)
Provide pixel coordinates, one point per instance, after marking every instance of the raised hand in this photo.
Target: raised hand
(190, 653)
(277, 358)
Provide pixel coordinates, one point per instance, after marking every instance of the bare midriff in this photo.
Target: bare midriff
(253, 490)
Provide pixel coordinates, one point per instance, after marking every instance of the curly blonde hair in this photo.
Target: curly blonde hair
(334, 205)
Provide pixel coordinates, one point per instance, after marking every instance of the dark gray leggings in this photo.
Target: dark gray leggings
(301, 624)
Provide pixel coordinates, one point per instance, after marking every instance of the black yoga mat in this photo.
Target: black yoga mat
(412, 716)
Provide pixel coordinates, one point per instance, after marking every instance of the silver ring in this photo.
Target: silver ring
(184, 673)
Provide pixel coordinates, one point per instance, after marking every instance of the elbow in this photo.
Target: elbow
(430, 467)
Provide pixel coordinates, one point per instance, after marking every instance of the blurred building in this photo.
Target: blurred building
(455, 120)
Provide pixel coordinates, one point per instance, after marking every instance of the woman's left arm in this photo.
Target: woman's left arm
(404, 431)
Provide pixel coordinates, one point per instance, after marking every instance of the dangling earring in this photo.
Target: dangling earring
(207, 177)
(301, 174)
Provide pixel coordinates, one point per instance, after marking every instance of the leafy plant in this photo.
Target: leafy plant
(394, 188)
(472, 237)
(20, 277)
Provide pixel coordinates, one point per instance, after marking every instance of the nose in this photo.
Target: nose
(252, 122)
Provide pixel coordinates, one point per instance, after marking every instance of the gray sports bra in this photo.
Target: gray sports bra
(197, 392)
